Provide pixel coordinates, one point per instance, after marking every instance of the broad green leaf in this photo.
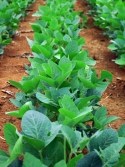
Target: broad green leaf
(19, 113)
(45, 100)
(112, 47)
(54, 24)
(41, 49)
(31, 161)
(55, 70)
(121, 60)
(16, 84)
(1, 51)
(48, 80)
(103, 139)
(100, 117)
(121, 131)
(16, 163)
(53, 133)
(10, 135)
(36, 27)
(70, 136)
(68, 104)
(111, 154)
(17, 149)
(73, 161)
(90, 159)
(67, 113)
(60, 163)
(59, 155)
(3, 156)
(58, 35)
(28, 148)
(72, 47)
(121, 161)
(100, 83)
(38, 144)
(52, 149)
(36, 125)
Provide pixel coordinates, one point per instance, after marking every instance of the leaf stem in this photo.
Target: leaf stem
(70, 156)
(40, 154)
(64, 148)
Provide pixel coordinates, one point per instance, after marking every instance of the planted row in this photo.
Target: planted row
(10, 13)
(109, 16)
(59, 102)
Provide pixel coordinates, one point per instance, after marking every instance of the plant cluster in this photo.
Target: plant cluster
(109, 16)
(10, 13)
(59, 103)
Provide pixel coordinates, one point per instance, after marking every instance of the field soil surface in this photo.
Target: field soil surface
(15, 56)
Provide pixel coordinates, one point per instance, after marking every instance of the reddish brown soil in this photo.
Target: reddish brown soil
(14, 58)
(114, 97)
(12, 68)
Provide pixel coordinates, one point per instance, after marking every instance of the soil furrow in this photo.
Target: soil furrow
(12, 68)
(96, 43)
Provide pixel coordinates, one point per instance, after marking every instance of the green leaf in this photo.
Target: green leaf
(111, 154)
(10, 135)
(103, 139)
(58, 35)
(54, 24)
(68, 104)
(16, 163)
(90, 159)
(31, 161)
(17, 149)
(36, 125)
(70, 136)
(36, 27)
(73, 161)
(52, 149)
(101, 119)
(121, 161)
(53, 133)
(112, 47)
(59, 155)
(60, 163)
(67, 113)
(19, 113)
(121, 131)
(16, 84)
(72, 47)
(45, 100)
(38, 144)
(55, 70)
(3, 156)
(41, 49)
(121, 60)
(1, 51)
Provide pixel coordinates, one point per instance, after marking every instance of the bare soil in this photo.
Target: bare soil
(15, 56)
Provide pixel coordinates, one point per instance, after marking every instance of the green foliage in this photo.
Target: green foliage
(10, 13)
(59, 103)
(109, 16)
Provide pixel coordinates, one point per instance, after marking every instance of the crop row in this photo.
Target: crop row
(10, 13)
(109, 16)
(59, 100)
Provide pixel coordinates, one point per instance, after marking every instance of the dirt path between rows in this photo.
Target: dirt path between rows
(96, 43)
(14, 58)
(12, 68)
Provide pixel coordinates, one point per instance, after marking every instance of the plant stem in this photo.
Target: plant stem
(64, 148)
(70, 156)
(40, 154)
